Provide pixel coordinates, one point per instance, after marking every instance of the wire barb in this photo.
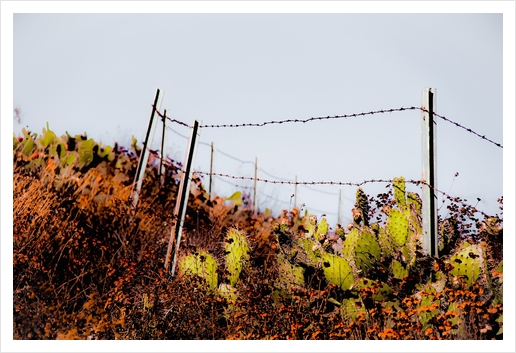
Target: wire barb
(345, 116)
(483, 137)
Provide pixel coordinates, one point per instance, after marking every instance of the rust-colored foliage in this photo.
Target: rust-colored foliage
(87, 265)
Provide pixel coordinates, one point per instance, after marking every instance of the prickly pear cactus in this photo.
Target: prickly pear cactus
(361, 212)
(201, 264)
(237, 254)
(381, 291)
(351, 308)
(361, 248)
(322, 230)
(428, 308)
(468, 262)
(289, 274)
(398, 270)
(337, 271)
(397, 226)
(399, 191)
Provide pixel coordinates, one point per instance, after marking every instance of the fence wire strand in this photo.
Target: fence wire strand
(345, 116)
(347, 183)
(465, 128)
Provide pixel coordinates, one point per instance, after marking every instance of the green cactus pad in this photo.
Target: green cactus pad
(399, 191)
(398, 270)
(362, 248)
(351, 307)
(227, 292)
(467, 262)
(386, 242)
(86, 151)
(367, 251)
(322, 229)
(397, 226)
(47, 138)
(289, 274)
(311, 249)
(237, 254)
(383, 291)
(201, 264)
(337, 271)
(427, 312)
(455, 320)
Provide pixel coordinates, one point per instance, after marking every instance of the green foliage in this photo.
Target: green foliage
(298, 283)
(428, 309)
(397, 226)
(351, 308)
(337, 271)
(467, 262)
(399, 191)
(289, 274)
(237, 254)
(361, 248)
(201, 264)
(398, 270)
(380, 291)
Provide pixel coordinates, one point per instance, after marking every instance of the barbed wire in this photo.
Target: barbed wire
(345, 116)
(465, 128)
(358, 184)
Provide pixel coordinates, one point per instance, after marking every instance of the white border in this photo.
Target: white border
(8, 8)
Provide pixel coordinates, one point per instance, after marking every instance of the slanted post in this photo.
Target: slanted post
(255, 200)
(163, 155)
(144, 156)
(182, 197)
(295, 193)
(210, 186)
(429, 174)
(340, 208)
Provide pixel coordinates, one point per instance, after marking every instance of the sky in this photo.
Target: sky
(98, 73)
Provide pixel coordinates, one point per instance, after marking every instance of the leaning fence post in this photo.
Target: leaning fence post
(340, 208)
(161, 161)
(144, 156)
(255, 200)
(429, 174)
(182, 197)
(210, 186)
(295, 193)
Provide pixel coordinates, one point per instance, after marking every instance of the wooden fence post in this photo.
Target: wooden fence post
(429, 174)
(339, 219)
(182, 197)
(144, 155)
(255, 200)
(161, 171)
(210, 186)
(295, 193)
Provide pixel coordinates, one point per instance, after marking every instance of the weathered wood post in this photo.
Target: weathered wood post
(339, 218)
(144, 156)
(429, 174)
(295, 193)
(161, 171)
(210, 186)
(255, 199)
(182, 197)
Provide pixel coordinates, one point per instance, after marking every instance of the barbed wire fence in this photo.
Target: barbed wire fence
(283, 181)
(429, 191)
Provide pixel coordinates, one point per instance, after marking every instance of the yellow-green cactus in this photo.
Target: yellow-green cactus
(237, 254)
(201, 264)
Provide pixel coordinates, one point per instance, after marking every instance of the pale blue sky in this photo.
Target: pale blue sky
(98, 73)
